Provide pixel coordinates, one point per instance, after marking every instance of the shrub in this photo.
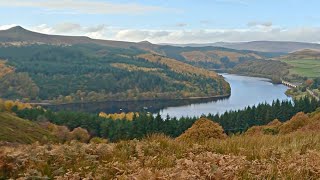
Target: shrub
(80, 134)
(202, 130)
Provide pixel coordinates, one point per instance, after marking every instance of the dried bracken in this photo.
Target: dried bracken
(202, 152)
(202, 130)
(271, 128)
(293, 156)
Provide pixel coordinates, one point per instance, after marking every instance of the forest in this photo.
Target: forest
(145, 124)
(89, 72)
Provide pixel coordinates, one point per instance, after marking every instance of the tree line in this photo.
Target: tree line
(144, 124)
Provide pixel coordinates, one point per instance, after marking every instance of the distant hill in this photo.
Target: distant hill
(262, 46)
(16, 130)
(20, 36)
(303, 54)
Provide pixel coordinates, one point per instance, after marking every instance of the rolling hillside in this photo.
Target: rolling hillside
(261, 46)
(278, 150)
(63, 69)
(303, 54)
(16, 130)
(20, 36)
(305, 63)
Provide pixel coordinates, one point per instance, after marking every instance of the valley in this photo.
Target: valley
(159, 90)
(120, 109)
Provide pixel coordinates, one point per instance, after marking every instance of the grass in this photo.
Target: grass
(16, 130)
(305, 67)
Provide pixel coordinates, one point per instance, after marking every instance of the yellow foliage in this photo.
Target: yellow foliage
(8, 105)
(119, 116)
(4, 69)
(131, 67)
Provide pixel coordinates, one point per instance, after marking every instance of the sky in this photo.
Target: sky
(168, 21)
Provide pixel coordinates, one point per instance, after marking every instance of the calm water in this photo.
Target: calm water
(245, 91)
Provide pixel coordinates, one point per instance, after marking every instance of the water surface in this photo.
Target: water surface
(245, 91)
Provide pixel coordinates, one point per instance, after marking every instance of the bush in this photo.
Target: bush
(80, 134)
(202, 130)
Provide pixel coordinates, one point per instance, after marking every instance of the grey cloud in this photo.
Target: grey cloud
(257, 23)
(181, 24)
(97, 28)
(67, 27)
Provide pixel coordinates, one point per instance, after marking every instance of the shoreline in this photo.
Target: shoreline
(217, 97)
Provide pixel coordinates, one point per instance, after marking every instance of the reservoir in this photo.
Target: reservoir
(245, 91)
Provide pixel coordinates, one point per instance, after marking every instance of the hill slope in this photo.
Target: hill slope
(20, 36)
(304, 63)
(303, 54)
(16, 130)
(90, 72)
(262, 46)
(292, 154)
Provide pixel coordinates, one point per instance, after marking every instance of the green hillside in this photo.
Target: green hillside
(91, 72)
(305, 63)
(14, 129)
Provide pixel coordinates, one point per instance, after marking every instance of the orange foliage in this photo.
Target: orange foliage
(202, 130)
(309, 82)
(80, 134)
(4, 69)
(295, 123)
(198, 56)
(271, 128)
(178, 66)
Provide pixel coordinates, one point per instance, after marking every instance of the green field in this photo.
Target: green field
(305, 67)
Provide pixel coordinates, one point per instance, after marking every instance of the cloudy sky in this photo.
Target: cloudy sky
(168, 21)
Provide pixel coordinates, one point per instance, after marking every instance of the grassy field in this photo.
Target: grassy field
(305, 67)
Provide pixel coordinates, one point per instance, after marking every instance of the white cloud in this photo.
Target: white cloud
(97, 32)
(217, 35)
(7, 26)
(261, 24)
(85, 6)
(179, 36)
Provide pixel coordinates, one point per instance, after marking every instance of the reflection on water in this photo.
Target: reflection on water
(153, 106)
(244, 91)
